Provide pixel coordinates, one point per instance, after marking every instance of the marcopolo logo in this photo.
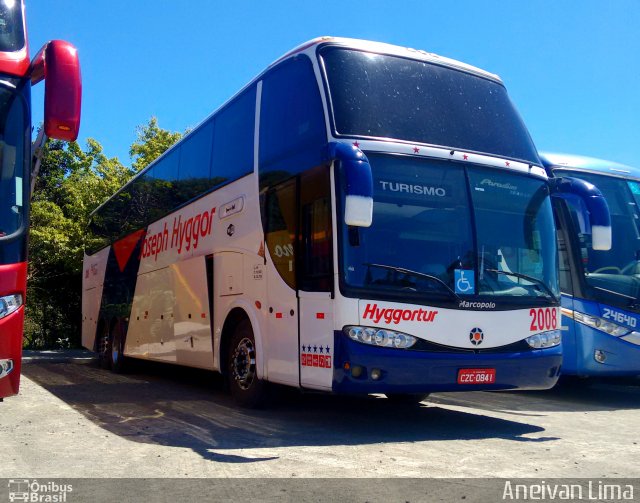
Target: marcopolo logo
(476, 305)
(476, 336)
(38, 492)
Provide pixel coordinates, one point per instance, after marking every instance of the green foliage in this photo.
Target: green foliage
(152, 141)
(72, 183)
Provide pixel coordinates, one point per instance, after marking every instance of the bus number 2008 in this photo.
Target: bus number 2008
(543, 319)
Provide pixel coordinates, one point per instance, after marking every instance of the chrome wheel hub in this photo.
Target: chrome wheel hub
(243, 363)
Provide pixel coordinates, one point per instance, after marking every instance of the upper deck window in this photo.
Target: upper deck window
(381, 96)
(11, 26)
(292, 125)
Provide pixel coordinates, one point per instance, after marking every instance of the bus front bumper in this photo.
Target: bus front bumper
(11, 352)
(601, 354)
(406, 371)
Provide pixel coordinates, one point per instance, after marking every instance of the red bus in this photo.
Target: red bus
(57, 64)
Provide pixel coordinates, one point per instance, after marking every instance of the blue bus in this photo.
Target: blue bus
(600, 289)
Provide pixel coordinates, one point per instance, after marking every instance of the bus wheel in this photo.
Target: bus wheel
(246, 389)
(406, 398)
(103, 346)
(116, 349)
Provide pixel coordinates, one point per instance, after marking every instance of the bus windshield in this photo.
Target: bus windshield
(446, 230)
(382, 96)
(11, 26)
(614, 275)
(12, 145)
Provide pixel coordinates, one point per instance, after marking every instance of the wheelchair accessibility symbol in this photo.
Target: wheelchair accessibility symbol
(464, 281)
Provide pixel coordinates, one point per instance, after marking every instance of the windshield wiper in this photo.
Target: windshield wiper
(532, 279)
(416, 273)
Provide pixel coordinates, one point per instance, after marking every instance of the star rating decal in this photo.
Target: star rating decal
(315, 356)
(315, 349)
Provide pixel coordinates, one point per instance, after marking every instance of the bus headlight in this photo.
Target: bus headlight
(545, 339)
(6, 366)
(380, 337)
(9, 304)
(600, 324)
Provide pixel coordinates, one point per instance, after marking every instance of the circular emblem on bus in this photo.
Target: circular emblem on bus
(476, 336)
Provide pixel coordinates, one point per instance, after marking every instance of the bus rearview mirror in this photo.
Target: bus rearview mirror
(358, 183)
(597, 209)
(58, 65)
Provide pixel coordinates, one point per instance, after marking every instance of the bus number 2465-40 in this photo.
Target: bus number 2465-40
(543, 319)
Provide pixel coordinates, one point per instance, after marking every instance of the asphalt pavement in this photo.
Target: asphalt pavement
(74, 419)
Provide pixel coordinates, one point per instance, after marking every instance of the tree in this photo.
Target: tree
(152, 141)
(72, 183)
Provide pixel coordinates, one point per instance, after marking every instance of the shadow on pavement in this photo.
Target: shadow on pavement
(568, 396)
(176, 406)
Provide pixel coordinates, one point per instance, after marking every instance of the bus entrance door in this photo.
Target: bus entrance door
(316, 340)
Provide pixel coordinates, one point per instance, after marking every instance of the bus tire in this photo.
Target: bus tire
(406, 398)
(245, 387)
(117, 359)
(574, 382)
(102, 345)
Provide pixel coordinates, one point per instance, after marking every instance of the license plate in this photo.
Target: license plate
(476, 376)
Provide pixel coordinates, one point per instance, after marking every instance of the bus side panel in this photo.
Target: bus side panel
(316, 340)
(139, 323)
(94, 268)
(282, 348)
(569, 341)
(228, 287)
(120, 279)
(161, 343)
(621, 357)
(191, 322)
(234, 287)
(584, 338)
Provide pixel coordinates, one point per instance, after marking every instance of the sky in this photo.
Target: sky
(572, 67)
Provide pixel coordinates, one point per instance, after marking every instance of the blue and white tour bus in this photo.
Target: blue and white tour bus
(360, 218)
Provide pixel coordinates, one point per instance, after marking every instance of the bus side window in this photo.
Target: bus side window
(561, 211)
(316, 248)
(292, 127)
(280, 229)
